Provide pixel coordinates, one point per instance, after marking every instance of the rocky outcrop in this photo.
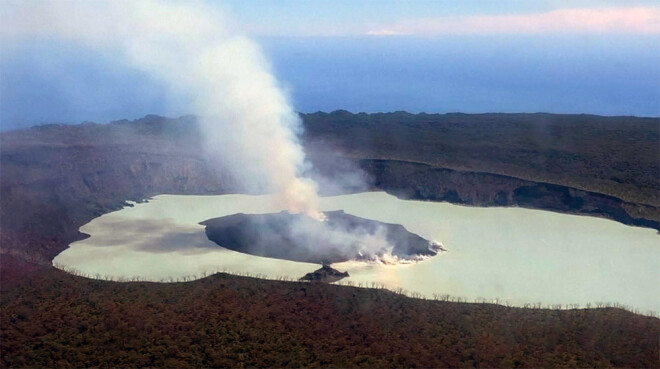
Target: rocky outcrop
(326, 274)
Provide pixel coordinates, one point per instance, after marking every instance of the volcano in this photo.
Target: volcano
(296, 237)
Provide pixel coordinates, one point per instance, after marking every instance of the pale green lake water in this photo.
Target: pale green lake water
(512, 254)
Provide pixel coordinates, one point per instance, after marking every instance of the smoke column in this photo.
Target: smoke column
(244, 114)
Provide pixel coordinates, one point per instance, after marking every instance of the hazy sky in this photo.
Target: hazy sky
(344, 17)
(600, 57)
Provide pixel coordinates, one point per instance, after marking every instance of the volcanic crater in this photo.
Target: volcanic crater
(296, 237)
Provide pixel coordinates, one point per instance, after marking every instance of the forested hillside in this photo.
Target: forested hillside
(54, 319)
(55, 178)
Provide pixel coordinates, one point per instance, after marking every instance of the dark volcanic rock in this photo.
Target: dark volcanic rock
(326, 274)
(296, 237)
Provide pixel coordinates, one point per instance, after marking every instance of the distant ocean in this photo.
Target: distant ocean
(49, 82)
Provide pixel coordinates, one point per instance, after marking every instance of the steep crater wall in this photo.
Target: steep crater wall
(56, 178)
(424, 182)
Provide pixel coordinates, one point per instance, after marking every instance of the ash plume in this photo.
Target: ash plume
(197, 51)
(248, 125)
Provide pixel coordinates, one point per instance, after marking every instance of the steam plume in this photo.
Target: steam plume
(196, 50)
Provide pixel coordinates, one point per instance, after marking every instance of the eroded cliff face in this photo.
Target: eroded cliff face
(56, 178)
(424, 182)
(614, 156)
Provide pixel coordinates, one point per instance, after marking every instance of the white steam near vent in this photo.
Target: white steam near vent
(198, 52)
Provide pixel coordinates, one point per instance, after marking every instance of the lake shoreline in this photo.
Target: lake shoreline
(479, 263)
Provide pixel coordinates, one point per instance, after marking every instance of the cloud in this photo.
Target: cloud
(198, 52)
(386, 32)
(622, 20)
